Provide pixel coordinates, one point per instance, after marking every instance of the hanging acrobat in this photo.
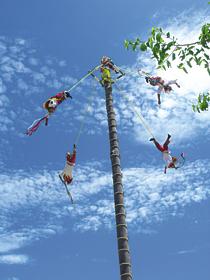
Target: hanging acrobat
(50, 105)
(66, 175)
(170, 161)
(163, 86)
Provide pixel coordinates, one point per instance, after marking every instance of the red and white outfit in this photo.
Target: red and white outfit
(107, 62)
(169, 160)
(155, 81)
(70, 163)
(52, 103)
(162, 85)
(165, 86)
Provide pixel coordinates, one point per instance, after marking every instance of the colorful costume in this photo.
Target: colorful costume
(51, 104)
(169, 160)
(162, 85)
(70, 163)
(107, 63)
(106, 76)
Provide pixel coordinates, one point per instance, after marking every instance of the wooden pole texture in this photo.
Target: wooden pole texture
(120, 213)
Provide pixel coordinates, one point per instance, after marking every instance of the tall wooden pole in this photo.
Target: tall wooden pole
(120, 213)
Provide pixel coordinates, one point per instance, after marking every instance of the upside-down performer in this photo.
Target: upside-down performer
(170, 161)
(50, 105)
(66, 175)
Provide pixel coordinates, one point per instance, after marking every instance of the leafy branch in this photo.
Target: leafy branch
(165, 48)
(202, 102)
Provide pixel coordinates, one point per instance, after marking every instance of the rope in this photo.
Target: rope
(84, 77)
(139, 114)
(143, 73)
(83, 122)
(79, 132)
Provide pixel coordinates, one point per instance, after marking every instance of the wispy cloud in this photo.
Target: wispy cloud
(184, 252)
(24, 81)
(149, 200)
(176, 109)
(29, 199)
(14, 259)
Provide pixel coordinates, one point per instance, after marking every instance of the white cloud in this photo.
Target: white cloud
(148, 199)
(62, 63)
(184, 252)
(23, 81)
(14, 259)
(175, 115)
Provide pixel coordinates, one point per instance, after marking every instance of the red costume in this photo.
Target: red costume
(51, 104)
(70, 163)
(162, 85)
(169, 160)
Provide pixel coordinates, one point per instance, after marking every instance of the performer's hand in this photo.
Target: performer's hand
(74, 146)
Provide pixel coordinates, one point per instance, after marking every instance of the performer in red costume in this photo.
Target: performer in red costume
(66, 174)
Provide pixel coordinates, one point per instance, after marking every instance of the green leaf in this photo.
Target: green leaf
(126, 44)
(143, 47)
(158, 37)
(169, 45)
(150, 42)
(133, 46)
(206, 56)
(181, 65)
(185, 70)
(153, 32)
(168, 34)
(173, 56)
(168, 63)
(189, 64)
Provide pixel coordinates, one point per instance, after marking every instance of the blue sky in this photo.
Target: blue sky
(45, 48)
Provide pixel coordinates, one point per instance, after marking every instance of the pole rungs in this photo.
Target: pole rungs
(122, 225)
(118, 214)
(125, 264)
(120, 204)
(122, 235)
(123, 238)
(114, 139)
(123, 250)
(116, 164)
(126, 274)
(115, 147)
(117, 174)
(118, 193)
(117, 182)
